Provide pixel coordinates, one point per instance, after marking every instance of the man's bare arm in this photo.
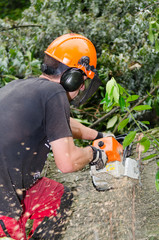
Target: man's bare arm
(68, 157)
(80, 131)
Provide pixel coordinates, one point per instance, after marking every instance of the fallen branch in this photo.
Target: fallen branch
(116, 108)
(104, 117)
(138, 103)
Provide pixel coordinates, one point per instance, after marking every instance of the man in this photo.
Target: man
(35, 116)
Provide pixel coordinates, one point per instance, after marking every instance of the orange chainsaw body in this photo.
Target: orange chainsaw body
(112, 148)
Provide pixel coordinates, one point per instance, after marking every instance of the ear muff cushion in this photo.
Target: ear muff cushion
(72, 79)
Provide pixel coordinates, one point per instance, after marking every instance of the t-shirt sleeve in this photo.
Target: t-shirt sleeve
(57, 117)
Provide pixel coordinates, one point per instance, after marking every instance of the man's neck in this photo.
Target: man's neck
(50, 77)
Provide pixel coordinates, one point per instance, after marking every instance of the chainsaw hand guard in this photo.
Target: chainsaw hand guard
(108, 134)
(99, 158)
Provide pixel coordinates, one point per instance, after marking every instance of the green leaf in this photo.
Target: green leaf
(103, 101)
(142, 140)
(29, 55)
(157, 180)
(157, 45)
(146, 143)
(142, 107)
(10, 76)
(157, 162)
(145, 122)
(112, 122)
(111, 94)
(116, 94)
(16, 63)
(129, 138)
(151, 36)
(123, 124)
(149, 157)
(155, 141)
(122, 103)
(107, 103)
(122, 90)
(132, 98)
(112, 90)
(107, 99)
(84, 121)
(110, 85)
(35, 62)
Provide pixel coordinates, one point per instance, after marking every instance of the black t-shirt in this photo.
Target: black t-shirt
(33, 112)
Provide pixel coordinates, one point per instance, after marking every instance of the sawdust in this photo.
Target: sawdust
(117, 214)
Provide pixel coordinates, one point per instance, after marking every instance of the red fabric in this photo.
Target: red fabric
(41, 200)
(15, 229)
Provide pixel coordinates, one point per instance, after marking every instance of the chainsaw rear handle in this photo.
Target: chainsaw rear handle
(113, 148)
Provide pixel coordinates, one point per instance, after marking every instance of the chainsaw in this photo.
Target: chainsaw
(119, 163)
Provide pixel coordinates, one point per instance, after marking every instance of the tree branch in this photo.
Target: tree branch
(104, 117)
(20, 26)
(127, 114)
(138, 103)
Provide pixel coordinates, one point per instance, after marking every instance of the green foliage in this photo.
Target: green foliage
(123, 124)
(154, 30)
(13, 9)
(145, 142)
(150, 156)
(142, 107)
(117, 96)
(118, 29)
(111, 122)
(15, 64)
(127, 113)
(129, 139)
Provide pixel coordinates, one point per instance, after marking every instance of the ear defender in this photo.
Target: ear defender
(72, 79)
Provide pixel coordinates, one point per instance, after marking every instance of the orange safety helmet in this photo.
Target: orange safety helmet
(75, 51)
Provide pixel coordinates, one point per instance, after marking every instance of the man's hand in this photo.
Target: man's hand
(104, 134)
(99, 158)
